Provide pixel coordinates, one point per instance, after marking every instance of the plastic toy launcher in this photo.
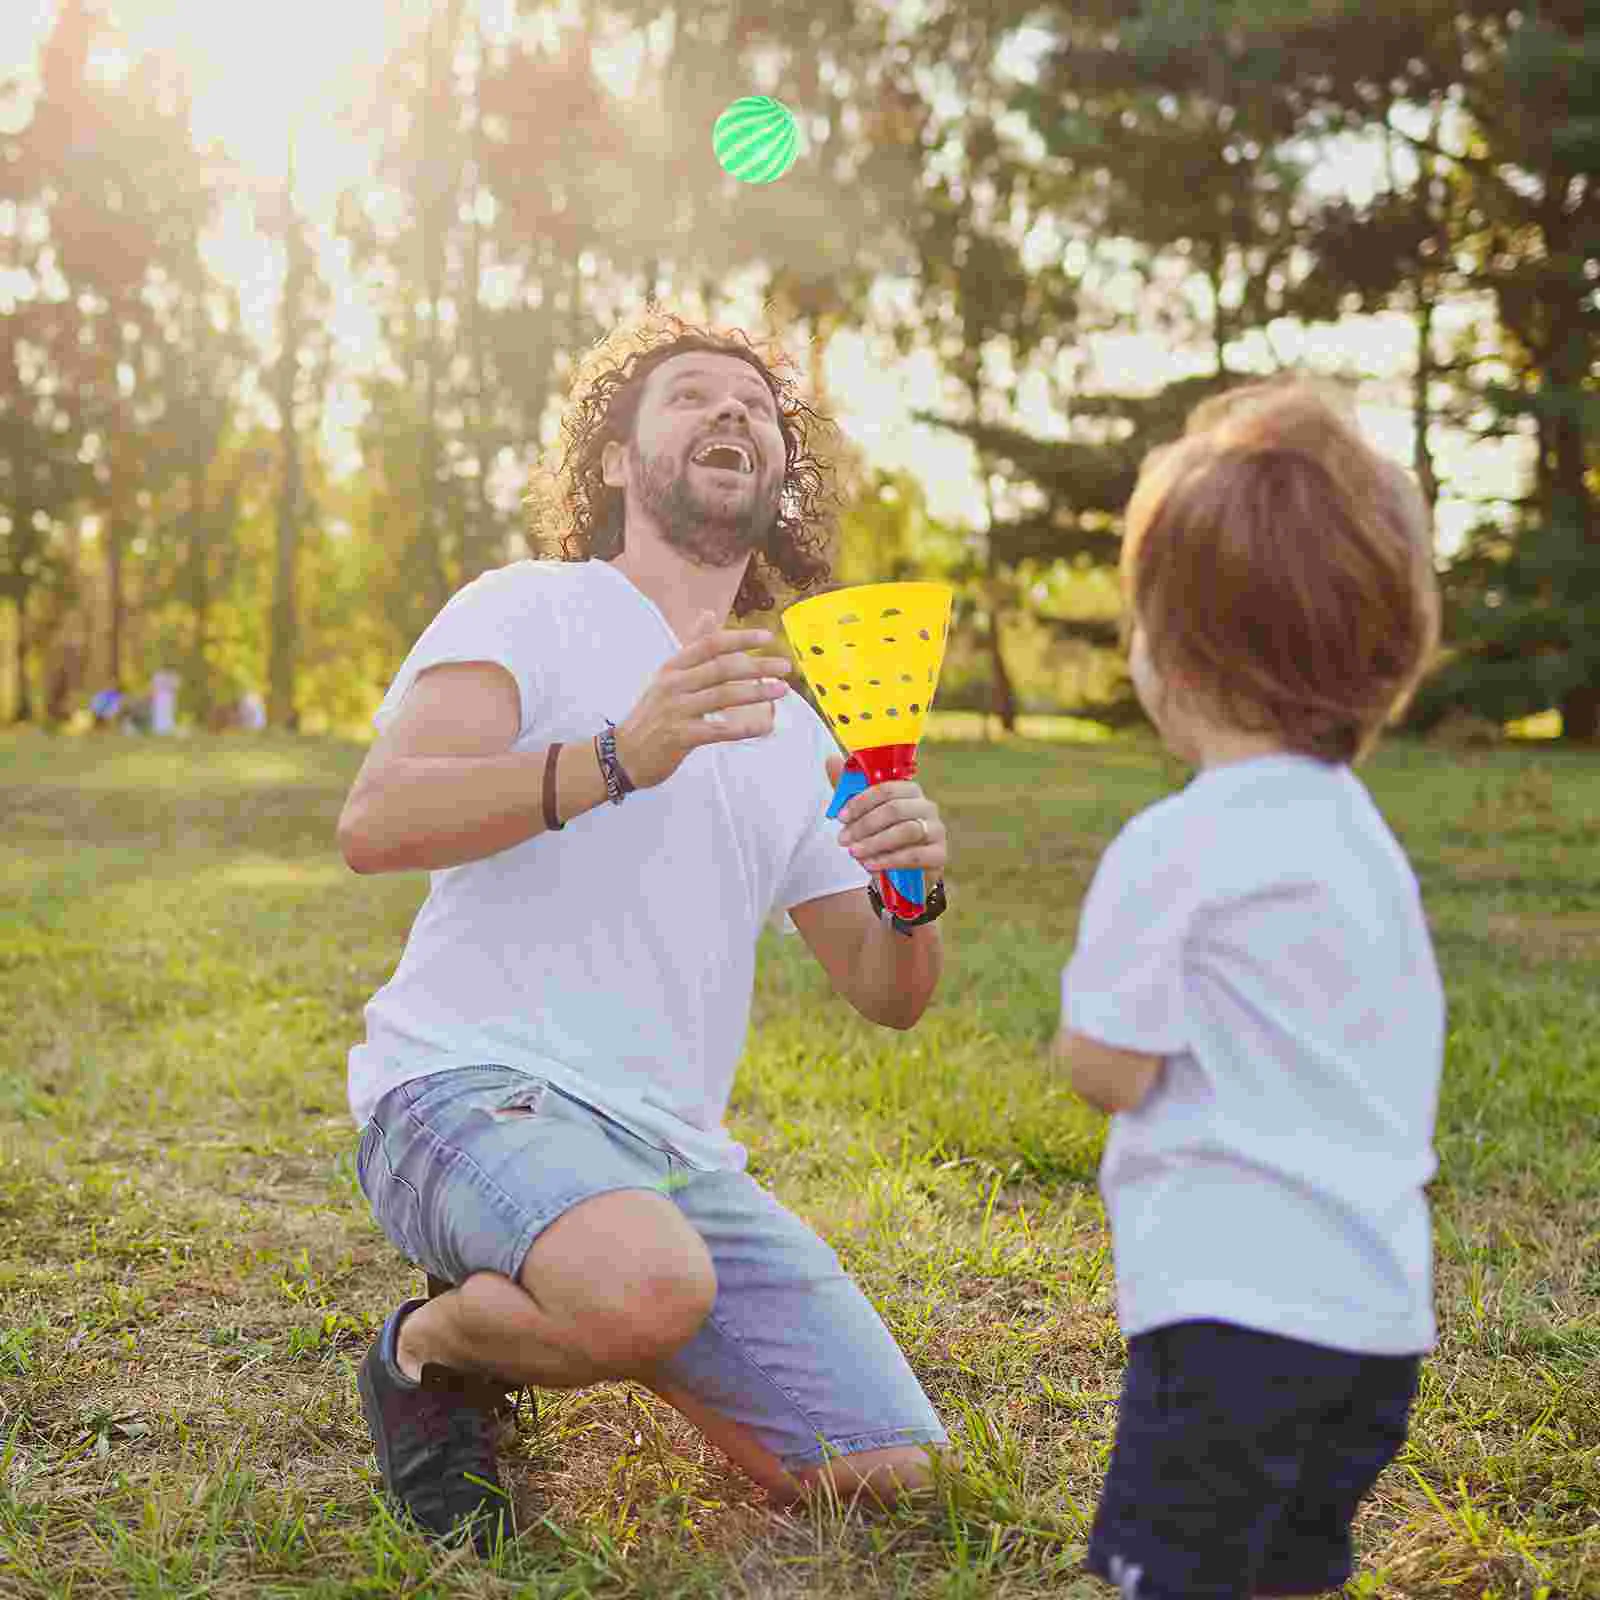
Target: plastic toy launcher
(872, 656)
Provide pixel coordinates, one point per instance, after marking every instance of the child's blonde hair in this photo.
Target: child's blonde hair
(1282, 570)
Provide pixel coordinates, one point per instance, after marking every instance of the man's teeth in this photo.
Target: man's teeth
(701, 457)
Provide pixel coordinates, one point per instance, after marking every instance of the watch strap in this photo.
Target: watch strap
(933, 908)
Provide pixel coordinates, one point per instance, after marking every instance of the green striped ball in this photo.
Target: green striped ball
(755, 139)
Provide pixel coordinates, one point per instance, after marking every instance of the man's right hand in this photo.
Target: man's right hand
(715, 689)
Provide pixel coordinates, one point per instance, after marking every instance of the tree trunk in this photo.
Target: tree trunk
(1003, 695)
(440, 189)
(280, 691)
(1580, 715)
(200, 604)
(24, 698)
(432, 272)
(1569, 467)
(114, 595)
(821, 330)
(64, 683)
(1432, 197)
(481, 515)
(280, 677)
(1421, 389)
(1219, 319)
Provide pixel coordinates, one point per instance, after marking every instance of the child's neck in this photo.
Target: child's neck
(1219, 749)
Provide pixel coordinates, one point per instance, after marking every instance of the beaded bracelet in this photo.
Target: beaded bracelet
(618, 783)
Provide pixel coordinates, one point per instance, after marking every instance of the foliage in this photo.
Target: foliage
(1151, 170)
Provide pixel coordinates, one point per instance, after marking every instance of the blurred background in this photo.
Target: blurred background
(289, 297)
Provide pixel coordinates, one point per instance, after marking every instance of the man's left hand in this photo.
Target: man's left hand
(893, 825)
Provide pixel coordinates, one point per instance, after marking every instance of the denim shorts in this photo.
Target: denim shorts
(1239, 1461)
(464, 1170)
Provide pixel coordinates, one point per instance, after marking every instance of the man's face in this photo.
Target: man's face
(706, 461)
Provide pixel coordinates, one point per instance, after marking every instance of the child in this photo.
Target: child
(1254, 994)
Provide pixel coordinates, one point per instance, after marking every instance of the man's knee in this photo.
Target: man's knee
(651, 1318)
(624, 1279)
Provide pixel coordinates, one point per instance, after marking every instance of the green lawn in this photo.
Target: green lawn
(189, 1276)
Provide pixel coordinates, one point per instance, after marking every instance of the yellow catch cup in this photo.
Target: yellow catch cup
(872, 655)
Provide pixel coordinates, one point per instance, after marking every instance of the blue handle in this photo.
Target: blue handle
(851, 783)
(908, 880)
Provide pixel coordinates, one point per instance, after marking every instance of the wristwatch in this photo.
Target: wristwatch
(933, 908)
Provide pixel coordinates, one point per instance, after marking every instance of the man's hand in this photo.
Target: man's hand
(712, 691)
(883, 825)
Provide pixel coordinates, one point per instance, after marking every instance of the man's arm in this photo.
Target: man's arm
(442, 785)
(1109, 1079)
(888, 977)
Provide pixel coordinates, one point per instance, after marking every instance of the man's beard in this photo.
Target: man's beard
(703, 524)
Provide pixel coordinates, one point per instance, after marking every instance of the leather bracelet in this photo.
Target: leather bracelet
(550, 791)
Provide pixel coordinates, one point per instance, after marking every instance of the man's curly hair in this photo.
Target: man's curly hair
(605, 403)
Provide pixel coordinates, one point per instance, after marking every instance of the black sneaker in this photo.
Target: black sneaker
(436, 1439)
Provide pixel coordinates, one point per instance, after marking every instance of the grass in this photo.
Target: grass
(189, 1276)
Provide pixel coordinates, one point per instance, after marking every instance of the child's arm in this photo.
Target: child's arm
(1109, 1079)
(1125, 979)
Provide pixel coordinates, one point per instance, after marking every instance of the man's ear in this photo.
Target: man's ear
(612, 456)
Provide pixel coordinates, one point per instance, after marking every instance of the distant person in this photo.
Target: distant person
(164, 702)
(1254, 997)
(105, 707)
(252, 712)
(544, 1079)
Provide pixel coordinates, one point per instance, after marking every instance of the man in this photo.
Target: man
(544, 1078)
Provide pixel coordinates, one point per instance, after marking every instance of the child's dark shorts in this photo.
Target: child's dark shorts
(1239, 1461)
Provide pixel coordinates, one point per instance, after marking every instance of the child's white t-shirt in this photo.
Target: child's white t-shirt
(615, 958)
(1263, 931)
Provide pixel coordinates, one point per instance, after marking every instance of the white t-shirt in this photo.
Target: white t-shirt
(1263, 931)
(615, 958)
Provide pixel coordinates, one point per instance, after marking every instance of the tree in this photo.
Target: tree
(1119, 167)
(99, 151)
(298, 377)
(986, 314)
(1527, 611)
(42, 471)
(1498, 108)
(197, 357)
(1180, 138)
(473, 244)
